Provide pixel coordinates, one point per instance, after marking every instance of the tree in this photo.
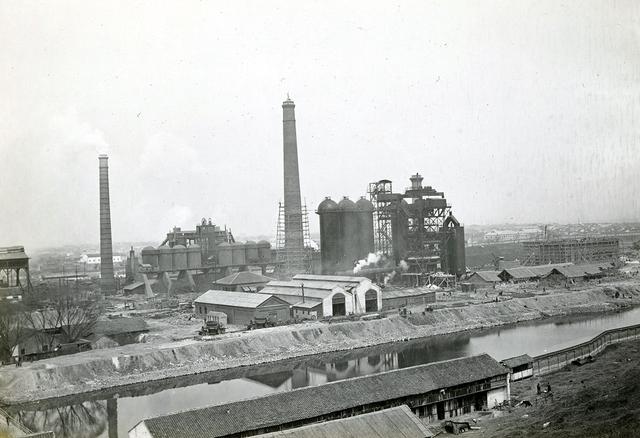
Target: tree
(66, 319)
(12, 329)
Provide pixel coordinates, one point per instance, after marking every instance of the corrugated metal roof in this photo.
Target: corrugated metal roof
(297, 284)
(120, 325)
(297, 291)
(236, 299)
(397, 422)
(307, 304)
(488, 276)
(312, 402)
(513, 362)
(331, 278)
(402, 293)
(13, 253)
(243, 278)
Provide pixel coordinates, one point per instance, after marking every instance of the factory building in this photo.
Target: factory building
(482, 279)
(433, 392)
(417, 226)
(241, 307)
(346, 233)
(337, 295)
(396, 298)
(574, 250)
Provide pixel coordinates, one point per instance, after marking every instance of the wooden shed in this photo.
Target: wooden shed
(241, 307)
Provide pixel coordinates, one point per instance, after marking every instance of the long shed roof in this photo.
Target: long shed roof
(312, 402)
(235, 299)
(488, 276)
(396, 422)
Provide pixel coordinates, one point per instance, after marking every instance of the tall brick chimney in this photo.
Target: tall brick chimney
(107, 281)
(294, 237)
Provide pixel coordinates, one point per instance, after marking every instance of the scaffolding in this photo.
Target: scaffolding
(382, 215)
(575, 250)
(293, 261)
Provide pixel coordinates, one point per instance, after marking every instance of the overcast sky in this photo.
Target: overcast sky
(520, 111)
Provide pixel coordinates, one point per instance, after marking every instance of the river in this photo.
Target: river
(110, 414)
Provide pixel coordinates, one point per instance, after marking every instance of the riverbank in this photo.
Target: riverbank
(597, 399)
(137, 363)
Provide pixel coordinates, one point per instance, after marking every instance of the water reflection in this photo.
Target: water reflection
(96, 417)
(88, 419)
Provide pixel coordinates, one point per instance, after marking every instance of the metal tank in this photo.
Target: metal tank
(150, 256)
(348, 213)
(251, 251)
(179, 258)
(330, 237)
(264, 251)
(165, 258)
(224, 254)
(365, 224)
(194, 256)
(238, 254)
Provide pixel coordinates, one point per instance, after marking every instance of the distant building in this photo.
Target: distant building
(573, 250)
(484, 278)
(94, 259)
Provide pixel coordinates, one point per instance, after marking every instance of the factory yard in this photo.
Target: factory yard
(598, 399)
(171, 348)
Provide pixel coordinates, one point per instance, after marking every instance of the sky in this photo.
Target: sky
(520, 111)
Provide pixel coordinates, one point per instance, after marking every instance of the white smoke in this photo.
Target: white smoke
(404, 266)
(389, 277)
(371, 260)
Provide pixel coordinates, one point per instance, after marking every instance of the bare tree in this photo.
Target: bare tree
(65, 320)
(12, 329)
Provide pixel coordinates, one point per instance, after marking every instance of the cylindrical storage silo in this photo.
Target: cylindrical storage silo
(365, 225)
(252, 252)
(224, 254)
(348, 232)
(179, 258)
(194, 256)
(165, 259)
(238, 254)
(264, 251)
(150, 256)
(330, 238)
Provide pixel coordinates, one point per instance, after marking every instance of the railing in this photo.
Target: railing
(555, 360)
(25, 432)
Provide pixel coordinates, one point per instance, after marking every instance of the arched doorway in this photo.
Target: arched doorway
(338, 305)
(371, 301)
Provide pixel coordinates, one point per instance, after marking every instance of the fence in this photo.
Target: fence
(23, 431)
(555, 360)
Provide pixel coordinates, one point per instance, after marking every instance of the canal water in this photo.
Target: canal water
(112, 414)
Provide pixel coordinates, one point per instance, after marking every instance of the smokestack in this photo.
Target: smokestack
(107, 282)
(294, 237)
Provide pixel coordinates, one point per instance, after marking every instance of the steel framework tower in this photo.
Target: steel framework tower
(107, 281)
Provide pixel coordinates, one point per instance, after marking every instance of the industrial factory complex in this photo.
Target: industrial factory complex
(389, 265)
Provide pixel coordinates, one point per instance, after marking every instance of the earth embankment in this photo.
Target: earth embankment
(137, 363)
